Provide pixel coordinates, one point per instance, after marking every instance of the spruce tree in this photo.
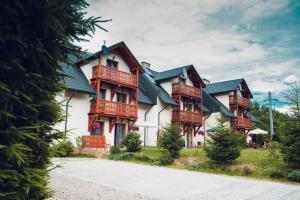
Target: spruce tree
(35, 36)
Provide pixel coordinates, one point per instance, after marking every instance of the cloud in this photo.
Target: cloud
(290, 79)
(224, 39)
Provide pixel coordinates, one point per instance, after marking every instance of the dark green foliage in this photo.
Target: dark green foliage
(294, 176)
(242, 140)
(63, 148)
(182, 143)
(275, 173)
(114, 150)
(282, 121)
(171, 140)
(261, 139)
(224, 146)
(36, 35)
(291, 148)
(132, 142)
(122, 156)
(164, 159)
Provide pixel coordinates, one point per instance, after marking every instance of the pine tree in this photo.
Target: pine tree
(36, 35)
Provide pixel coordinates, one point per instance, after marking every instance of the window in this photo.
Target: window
(111, 63)
(121, 97)
(102, 93)
(98, 128)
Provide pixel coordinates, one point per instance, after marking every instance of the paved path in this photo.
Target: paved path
(166, 183)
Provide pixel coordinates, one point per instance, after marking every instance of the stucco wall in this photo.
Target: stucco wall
(79, 106)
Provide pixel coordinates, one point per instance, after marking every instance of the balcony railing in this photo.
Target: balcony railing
(233, 99)
(186, 117)
(114, 109)
(178, 88)
(244, 123)
(114, 75)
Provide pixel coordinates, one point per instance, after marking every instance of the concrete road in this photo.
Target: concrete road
(166, 183)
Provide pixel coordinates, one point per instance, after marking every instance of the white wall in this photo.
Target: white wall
(79, 107)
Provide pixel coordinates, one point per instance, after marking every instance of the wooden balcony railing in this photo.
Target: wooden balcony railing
(94, 141)
(244, 123)
(178, 88)
(186, 117)
(115, 76)
(114, 109)
(233, 99)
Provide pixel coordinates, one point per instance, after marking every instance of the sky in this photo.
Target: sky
(258, 40)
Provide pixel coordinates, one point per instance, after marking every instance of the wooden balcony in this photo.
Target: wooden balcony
(115, 109)
(241, 101)
(186, 90)
(114, 76)
(180, 116)
(244, 123)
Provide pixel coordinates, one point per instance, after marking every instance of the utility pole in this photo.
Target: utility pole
(271, 115)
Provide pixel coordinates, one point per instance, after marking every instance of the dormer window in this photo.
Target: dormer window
(111, 63)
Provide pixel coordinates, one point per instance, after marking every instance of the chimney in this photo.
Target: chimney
(145, 64)
(206, 81)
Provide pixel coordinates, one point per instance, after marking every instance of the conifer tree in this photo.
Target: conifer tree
(35, 36)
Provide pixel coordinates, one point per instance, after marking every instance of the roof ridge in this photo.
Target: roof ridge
(227, 81)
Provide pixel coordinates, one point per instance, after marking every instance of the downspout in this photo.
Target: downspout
(67, 108)
(145, 129)
(158, 122)
(204, 128)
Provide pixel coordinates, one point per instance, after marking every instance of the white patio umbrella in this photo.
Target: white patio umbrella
(258, 131)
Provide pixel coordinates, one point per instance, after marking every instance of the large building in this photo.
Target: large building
(110, 93)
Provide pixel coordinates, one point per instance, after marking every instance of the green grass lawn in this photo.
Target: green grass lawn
(256, 163)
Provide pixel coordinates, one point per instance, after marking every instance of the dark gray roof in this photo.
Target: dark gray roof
(213, 105)
(152, 90)
(75, 79)
(159, 76)
(225, 86)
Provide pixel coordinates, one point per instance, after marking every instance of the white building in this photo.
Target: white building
(110, 93)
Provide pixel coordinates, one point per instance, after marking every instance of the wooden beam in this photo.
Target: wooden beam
(112, 122)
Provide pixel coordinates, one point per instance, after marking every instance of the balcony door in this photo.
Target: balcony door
(119, 134)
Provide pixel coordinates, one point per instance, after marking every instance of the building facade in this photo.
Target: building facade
(110, 93)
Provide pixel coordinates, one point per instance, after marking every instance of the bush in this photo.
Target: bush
(275, 173)
(241, 139)
(132, 142)
(165, 159)
(63, 148)
(294, 176)
(274, 148)
(224, 146)
(261, 139)
(80, 142)
(122, 156)
(114, 150)
(291, 148)
(170, 140)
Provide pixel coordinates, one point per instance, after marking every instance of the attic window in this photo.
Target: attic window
(112, 63)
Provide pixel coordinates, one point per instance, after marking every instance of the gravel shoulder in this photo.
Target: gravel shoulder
(70, 188)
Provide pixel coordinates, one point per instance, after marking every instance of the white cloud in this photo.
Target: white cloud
(290, 79)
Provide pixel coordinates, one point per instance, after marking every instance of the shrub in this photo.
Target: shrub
(241, 139)
(63, 148)
(80, 142)
(132, 142)
(291, 148)
(261, 139)
(224, 146)
(273, 149)
(165, 159)
(247, 171)
(294, 176)
(114, 150)
(122, 156)
(275, 173)
(170, 140)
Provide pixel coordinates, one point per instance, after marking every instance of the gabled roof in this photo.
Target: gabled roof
(213, 105)
(152, 90)
(227, 86)
(188, 70)
(124, 51)
(75, 79)
(144, 99)
(253, 118)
